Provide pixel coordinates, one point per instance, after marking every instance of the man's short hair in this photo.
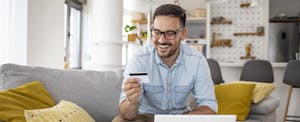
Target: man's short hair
(171, 10)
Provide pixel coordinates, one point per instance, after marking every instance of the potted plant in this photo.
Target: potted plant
(131, 32)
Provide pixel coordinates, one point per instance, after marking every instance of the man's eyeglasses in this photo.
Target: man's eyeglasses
(170, 34)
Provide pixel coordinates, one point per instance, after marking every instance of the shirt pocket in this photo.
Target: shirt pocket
(181, 95)
(153, 94)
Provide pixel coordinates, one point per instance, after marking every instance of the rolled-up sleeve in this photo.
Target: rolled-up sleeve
(204, 92)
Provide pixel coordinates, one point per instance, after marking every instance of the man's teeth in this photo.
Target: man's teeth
(163, 46)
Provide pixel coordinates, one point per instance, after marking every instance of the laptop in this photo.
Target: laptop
(195, 118)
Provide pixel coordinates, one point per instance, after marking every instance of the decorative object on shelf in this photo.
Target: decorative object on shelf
(248, 48)
(177, 2)
(220, 42)
(220, 20)
(131, 36)
(137, 16)
(245, 4)
(254, 3)
(248, 34)
(260, 29)
(199, 13)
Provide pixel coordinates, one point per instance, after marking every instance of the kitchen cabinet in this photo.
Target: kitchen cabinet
(197, 34)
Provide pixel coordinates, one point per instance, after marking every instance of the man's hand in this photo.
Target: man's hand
(129, 107)
(132, 88)
(202, 110)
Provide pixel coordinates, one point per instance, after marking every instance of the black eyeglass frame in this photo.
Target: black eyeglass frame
(180, 29)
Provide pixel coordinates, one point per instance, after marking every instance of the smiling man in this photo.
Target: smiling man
(174, 71)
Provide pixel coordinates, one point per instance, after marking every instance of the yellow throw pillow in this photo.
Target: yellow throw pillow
(64, 111)
(261, 90)
(234, 99)
(13, 102)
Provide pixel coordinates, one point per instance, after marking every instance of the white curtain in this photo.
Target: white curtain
(13, 30)
(5, 32)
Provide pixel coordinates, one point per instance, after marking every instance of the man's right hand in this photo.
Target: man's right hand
(132, 88)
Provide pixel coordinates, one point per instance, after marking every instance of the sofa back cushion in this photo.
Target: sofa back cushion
(95, 91)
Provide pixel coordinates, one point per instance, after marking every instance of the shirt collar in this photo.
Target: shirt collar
(179, 59)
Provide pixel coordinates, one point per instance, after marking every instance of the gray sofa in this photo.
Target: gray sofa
(97, 92)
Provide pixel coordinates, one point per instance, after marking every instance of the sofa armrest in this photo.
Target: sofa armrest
(266, 106)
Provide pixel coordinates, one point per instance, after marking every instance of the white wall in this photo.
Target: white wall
(45, 46)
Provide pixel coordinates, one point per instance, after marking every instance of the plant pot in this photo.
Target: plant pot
(131, 37)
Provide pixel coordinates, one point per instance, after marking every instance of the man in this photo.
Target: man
(174, 71)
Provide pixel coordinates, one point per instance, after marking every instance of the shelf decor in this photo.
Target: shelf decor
(248, 48)
(245, 5)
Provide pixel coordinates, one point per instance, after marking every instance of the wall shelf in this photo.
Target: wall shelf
(248, 57)
(221, 22)
(196, 19)
(248, 34)
(285, 20)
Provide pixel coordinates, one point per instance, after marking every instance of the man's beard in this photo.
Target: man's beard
(171, 51)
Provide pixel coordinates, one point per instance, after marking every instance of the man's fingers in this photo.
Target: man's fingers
(132, 91)
(134, 97)
(132, 80)
(131, 85)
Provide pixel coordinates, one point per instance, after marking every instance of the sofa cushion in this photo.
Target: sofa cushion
(234, 99)
(95, 91)
(261, 90)
(64, 111)
(266, 106)
(14, 101)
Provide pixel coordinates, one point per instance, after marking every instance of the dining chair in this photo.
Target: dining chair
(257, 70)
(215, 71)
(292, 79)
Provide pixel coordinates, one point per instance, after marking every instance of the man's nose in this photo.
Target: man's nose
(162, 38)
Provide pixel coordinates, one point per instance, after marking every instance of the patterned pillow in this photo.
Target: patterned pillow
(64, 111)
(261, 90)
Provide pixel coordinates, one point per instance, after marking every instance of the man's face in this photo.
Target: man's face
(167, 34)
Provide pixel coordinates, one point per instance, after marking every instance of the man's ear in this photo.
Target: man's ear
(183, 34)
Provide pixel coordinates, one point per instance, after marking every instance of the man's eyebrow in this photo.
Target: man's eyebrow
(163, 31)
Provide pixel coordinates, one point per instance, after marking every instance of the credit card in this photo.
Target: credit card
(141, 75)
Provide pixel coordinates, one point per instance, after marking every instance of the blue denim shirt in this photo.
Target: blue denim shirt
(169, 88)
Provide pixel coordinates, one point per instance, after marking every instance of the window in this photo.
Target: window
(72, 46)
